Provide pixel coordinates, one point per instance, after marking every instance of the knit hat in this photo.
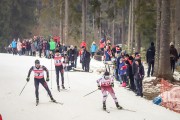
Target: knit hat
(171, 43)
(152, 43)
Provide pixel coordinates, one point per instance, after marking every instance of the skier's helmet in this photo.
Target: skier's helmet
(37, 62)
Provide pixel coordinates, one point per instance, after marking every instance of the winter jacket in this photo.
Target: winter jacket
(14, 44)
(122, 68)
(139, 72)
(33, 48)
(19, 46)
(85, 57)
(150, 54)
(93, 48)
(101, 45)
(129, 70)
(107, 55)
(173, 53)
(52, 45)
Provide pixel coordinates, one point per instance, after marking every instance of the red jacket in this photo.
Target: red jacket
(101, 45)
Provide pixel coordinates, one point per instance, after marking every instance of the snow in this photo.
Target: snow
(13, 73)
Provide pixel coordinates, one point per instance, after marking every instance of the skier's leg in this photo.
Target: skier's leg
(62, 77)
(36, 84)
(104, 97)
(57, 77)
(112, 93)
(44, 84)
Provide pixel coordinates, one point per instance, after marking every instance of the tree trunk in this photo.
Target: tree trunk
(132, 28)
(177, 25)
(172, 22)
(84, 20)
(99, 23)
(137, 34)
(164, 61)
(66, 20)
(123, 27)
(93, 27)
(113, 25)
(61, 23)
(158, 36)
(129, 26)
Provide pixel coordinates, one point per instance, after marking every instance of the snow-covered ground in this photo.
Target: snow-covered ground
(13, 73)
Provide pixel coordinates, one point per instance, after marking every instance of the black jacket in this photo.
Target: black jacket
(85, 56)
(173, 53)
(139, 72)
(150, 54)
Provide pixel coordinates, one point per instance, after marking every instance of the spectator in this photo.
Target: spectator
(107, 54)
(102, 45)
(150, 59)
(138, 77)
(93, 49)
(85, 59)
(33, 48)
(52, 46)
(14, 47)
(75, 56)
(19, 47)
(173, 56)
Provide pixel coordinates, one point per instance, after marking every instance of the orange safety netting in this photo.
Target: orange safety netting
(170, 96)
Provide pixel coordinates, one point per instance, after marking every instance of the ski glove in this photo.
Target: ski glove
(47, 79)
(27, 79)
(99, 87)
(112, 84)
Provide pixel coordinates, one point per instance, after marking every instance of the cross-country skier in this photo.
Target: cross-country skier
(39, 78)
(58, 62)
(105, 84)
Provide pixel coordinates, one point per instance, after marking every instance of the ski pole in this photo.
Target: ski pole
(51, 70)
(68, 79)
(90, 92)
(23, 88)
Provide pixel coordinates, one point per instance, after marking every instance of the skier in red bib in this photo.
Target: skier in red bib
(39, 78)
(58, 62)
(105, 84)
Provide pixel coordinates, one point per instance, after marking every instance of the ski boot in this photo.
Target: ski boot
(58, 87)
(118, 106)
(63, 87)
(37, 102)
(52, 99)
(104, 106)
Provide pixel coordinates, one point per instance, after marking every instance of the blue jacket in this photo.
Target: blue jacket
(107, 56)
(93, 48)
(120, 71)
(14, 44)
